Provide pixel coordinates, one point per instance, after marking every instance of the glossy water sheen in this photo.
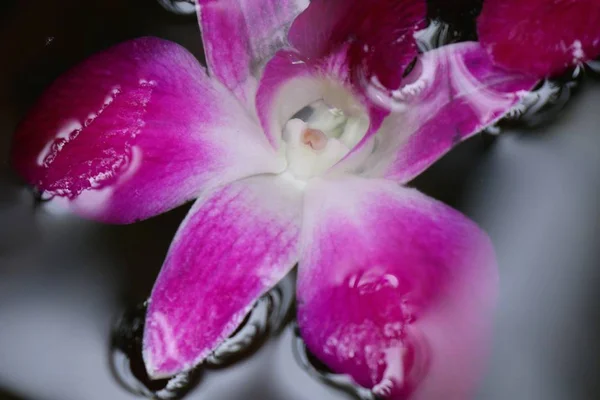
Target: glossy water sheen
(64, 280)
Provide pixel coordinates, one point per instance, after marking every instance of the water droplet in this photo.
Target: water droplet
(181, 7)
(317, 370)
(269, 315)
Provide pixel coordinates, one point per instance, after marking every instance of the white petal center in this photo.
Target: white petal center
(323, 138)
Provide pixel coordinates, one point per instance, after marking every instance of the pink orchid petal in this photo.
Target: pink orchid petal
(395, 289)
(454, 92)
(235, 244)
(380, 33)
(241, 35)
(290, 82)
(135, 131)
(540, 37)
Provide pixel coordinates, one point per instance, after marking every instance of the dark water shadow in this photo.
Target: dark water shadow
(4, 395)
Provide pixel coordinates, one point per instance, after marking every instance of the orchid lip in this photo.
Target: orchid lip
(319, 136)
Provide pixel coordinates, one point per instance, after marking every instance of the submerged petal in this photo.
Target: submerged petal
(452, 93)
(380, 34)
(235, 244)
(540, 37)
(135, 131)
(241, 35)
(395, 288)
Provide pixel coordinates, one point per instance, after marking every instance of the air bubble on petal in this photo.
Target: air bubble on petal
(68, 130)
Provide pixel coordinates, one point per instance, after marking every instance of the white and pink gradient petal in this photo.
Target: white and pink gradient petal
(452, 93)
(134, 131)
(236, 243)
(287, 85)
(240, 36)
(290, 82)
(394, 288)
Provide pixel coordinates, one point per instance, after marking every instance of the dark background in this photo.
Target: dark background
(63, 280)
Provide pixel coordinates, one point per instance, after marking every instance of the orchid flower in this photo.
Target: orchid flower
(540, 37)
(297, 145)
